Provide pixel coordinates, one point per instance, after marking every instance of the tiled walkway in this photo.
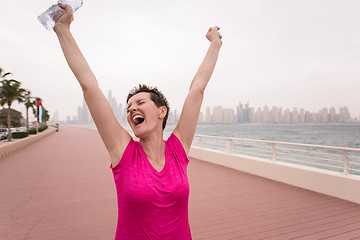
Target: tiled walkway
(61, 187)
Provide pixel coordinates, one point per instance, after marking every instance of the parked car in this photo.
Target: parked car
(21, 129)
(3, 133)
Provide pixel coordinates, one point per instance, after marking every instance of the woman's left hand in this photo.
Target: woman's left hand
(213, 34)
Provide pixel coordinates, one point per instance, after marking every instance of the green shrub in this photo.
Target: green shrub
(42, 128)
(32, 131)
(20, 134)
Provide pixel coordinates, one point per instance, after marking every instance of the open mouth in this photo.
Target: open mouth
(138, 119)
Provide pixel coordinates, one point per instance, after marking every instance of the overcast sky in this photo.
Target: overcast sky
(303, 54)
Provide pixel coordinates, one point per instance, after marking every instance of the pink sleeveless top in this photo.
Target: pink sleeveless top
(152, 204)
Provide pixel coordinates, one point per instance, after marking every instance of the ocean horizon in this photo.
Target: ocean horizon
(337, 135)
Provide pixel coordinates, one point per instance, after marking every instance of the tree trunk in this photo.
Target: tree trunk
(27, 119)
(9, 123)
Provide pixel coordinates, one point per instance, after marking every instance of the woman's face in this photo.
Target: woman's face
(143, 116)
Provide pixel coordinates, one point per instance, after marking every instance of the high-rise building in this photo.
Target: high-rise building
(332, 115)
(266, 115)
(79, 112)
(252, 117)
(229, 116)
(176, 116)
(201, 118)
(302, 115)
(307, 117)
(85, 116)
(281, 116)
(55, 119)
(218, 114)
(240, 113)
(295, 116)
(274, 115)
(247, 113)
(207, 115)
(313, 118)
(287, 116)
(258, 116)
(344, 115)
(323, 115)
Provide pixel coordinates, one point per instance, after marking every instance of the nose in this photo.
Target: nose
(132, 109)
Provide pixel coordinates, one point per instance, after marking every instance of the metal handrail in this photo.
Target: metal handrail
(350, 163)
(283, 143)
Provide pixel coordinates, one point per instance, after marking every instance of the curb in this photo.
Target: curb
(7, 148)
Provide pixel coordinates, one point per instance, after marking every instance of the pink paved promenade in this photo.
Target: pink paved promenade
(61, 187)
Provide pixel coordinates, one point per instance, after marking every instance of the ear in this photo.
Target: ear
(162, 112)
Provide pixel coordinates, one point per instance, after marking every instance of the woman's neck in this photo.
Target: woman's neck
(154, 147)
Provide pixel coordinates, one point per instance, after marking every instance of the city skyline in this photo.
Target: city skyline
(243, 113)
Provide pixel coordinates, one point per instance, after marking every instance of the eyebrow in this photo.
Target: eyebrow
(142, 99)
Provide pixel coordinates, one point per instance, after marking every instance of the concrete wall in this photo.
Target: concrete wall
(318, 180)
(7, 148)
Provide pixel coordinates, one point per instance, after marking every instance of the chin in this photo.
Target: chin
(139, 134)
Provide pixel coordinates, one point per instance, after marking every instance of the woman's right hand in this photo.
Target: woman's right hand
(66, 19)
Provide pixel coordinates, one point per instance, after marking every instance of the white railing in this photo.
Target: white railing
(344, 160)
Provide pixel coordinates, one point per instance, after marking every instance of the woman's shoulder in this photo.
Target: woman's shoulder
(129, 151)
(174, 140)
(175, 144)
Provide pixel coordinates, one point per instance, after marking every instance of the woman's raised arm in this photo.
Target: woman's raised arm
(186, 127)
(113, 135)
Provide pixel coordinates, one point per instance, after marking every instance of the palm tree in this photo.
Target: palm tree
(3, 74)
(29, 103)
(46, 116)
(10, 91)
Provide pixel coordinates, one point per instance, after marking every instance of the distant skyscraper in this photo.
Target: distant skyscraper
(302, 115)
(79, 114)
(332, 115)
(344, 115)
(295, 116)
(56, 116)
(323, 115)
(247, 113)
(207, 115)
(109, 96)
(228, 116)
(85, 116)
(281, 115)
(240, 113)
(218, 114)
(287, 116)
(275, 114)
(307, 117)
(313, 117)
(201, 118)
(266, 115)
(258, 115)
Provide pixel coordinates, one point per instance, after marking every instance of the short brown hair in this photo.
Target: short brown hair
(155, 95)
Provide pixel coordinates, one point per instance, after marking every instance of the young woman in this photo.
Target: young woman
(150, 174)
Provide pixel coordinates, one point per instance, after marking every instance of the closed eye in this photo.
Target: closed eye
(139, 102)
